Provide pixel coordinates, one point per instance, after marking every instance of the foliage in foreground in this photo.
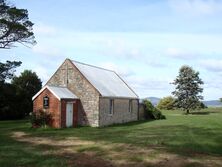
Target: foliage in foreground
(188, 89)
(40, 118)
(152, 112)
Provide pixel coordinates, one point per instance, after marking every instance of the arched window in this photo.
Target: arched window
(46, 102)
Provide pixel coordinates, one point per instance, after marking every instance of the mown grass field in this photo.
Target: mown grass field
(180, 140)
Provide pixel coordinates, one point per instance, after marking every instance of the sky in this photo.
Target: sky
(145, 41)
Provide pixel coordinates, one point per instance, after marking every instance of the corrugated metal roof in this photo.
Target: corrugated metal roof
(107, 82)
(59, 92)
(62, 92)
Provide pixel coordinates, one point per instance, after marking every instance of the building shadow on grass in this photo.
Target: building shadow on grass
(52, 155)
(203, 112)
(177, 139)
(184, 141)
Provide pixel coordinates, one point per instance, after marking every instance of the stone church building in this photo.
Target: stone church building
(82, 94)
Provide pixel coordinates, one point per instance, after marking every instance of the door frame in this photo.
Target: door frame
(68, 119)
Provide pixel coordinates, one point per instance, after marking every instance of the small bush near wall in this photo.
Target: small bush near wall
(40, 118)
(152, 112)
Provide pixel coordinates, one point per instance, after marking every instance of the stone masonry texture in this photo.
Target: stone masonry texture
(121, 112)
(69, 76)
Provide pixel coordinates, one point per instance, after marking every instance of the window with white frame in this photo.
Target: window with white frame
(111, 106)
(46, 102)
(130, 105)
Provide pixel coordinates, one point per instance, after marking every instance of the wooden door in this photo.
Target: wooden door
(69, 114)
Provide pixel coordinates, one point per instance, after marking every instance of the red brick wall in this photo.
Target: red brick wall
(54, 106)
(63, 113)
(75, 112)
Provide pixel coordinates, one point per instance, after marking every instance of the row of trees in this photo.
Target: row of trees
(16, 95)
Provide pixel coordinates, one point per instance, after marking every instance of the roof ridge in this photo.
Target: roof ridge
(56, 86)
(93, 66)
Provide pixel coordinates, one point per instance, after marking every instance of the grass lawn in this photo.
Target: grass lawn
(180, 140)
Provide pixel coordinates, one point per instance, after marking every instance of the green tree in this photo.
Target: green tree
(201, 105)
(27, 85)
(188, 89)
(152, 112)
(166, 103)
(8, 102)
(14, 26)
(7, 70)
(8, 97)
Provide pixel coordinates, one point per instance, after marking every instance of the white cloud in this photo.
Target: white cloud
(212, 65)
(43, 29)
(146, 87)
(121, 48)
(121, 70)
(212, 86)
(196, 7)
(180, 53)
(127, 50)
(46, 50)
(42, 72)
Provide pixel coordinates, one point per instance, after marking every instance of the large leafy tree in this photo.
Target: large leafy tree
(15, 26)
(26, 85)
(188, 89)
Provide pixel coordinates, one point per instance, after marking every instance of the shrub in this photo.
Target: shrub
(152, 112)
(166, 103)
(40, 118)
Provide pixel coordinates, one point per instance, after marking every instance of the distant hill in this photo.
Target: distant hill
(153, 100)
(209, 103)
(213, 103)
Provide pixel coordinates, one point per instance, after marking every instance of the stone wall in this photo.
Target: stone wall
(120, 114)
(88, 109)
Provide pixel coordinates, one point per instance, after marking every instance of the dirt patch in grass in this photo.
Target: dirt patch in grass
(83, 153)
